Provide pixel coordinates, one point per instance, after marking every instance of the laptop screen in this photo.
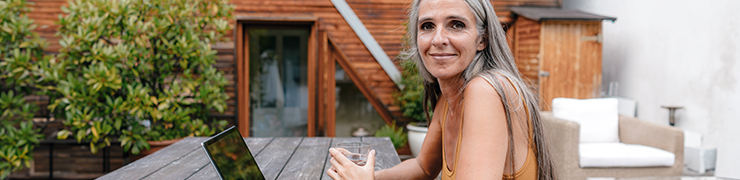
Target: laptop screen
(230, 156)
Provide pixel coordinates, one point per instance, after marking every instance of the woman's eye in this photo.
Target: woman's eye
(426, 26)
(457, 25)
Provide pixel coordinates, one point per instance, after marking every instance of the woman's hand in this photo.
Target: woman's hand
(344, 169)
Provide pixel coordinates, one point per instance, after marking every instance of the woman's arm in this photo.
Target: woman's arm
(425, 166)
(429, 162)
(484, 133)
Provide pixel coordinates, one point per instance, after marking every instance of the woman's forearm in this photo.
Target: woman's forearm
(409, 169)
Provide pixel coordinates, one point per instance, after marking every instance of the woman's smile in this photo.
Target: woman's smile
(448, 39)
(443, 56)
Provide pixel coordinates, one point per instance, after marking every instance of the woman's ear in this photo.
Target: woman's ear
(482, 42)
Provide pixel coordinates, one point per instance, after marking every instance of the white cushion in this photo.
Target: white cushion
(599, 118)
(623, 155)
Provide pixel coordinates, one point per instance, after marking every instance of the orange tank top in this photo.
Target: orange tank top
(527, 171)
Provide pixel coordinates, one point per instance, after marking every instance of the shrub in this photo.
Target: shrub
(411, 96)
(397, 135)
(136, 70)
(20, 50)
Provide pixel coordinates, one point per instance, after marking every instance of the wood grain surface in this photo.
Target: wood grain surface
(278, 158)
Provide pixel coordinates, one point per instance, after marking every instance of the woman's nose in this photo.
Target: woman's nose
(440, 38)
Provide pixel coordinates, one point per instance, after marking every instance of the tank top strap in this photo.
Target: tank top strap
(450, 174)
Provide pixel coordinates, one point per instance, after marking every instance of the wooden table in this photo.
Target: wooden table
(278, 158)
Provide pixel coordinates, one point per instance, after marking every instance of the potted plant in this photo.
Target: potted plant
(20, 50)
(396, 134)
(411, 98)
(138, 71)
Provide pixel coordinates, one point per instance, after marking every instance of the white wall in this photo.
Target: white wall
(677, 52)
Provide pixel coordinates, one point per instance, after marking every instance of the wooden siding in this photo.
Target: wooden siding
(574, 64)
(383, 18)
(526, 48)
(341, 59)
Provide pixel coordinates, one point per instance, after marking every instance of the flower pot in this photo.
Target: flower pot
(416, 137)
(154, 146)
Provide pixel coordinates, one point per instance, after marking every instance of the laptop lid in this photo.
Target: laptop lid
(230, 156)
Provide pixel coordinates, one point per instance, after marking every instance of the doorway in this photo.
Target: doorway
(278, 81)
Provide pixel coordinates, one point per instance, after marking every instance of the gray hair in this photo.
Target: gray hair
(496, 54)
(496, 64)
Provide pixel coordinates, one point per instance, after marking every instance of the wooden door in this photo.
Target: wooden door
(571, 60)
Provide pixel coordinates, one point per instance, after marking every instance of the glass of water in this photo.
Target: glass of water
(355, 151)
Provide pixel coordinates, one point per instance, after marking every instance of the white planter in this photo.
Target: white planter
(416, 138)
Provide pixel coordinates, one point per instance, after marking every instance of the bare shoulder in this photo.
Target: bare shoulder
(493, 83)
(482, 88)
(481, 97)
(479, 87)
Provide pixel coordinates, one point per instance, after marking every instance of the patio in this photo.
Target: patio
(86, 86)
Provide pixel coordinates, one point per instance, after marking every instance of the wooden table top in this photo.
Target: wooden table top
(278, 158)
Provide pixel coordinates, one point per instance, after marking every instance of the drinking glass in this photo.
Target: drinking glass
(355, 151)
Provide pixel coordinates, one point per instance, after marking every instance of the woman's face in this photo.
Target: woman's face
(447, 37)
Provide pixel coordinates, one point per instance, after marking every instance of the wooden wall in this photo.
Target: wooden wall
(564, 50)
(526, 48)
(45, 13)
(383, 18)
(574, 63)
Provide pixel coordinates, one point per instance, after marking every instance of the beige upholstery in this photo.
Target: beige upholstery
(563, 137)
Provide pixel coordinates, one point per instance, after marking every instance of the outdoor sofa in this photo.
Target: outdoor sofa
(564, 139)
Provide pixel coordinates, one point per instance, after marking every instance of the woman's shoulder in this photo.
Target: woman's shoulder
(489, 82)
(479, 89)
(492, 85)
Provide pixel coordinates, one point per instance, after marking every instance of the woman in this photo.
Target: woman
(485, 124)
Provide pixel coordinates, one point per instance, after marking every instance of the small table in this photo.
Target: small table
(278, 158)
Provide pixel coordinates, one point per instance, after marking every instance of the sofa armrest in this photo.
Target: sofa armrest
(636, 131)
(563, 137)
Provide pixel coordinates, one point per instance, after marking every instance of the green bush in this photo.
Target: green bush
(411, 96)
(17, 147)
(138, 70)
(20, 50)
(397, 135)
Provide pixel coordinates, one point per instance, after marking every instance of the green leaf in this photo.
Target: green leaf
(163, 106)
(21, 142)
(95, 133)
(80, 135)
(17, 70)
(135, 150)
(117, 124)
(25, 44)
(93, 148)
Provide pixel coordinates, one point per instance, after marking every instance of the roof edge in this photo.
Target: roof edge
(370, 43)
(548, 13)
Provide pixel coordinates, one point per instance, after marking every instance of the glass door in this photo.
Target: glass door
(354, 114)
(278, 81)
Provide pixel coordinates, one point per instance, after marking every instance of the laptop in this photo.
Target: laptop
(230, 156)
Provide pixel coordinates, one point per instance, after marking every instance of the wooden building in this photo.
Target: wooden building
(341, 63)
(558, 51)
(300, 68)
(329, 62)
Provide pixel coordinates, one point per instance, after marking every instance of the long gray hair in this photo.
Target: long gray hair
(494, 63)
